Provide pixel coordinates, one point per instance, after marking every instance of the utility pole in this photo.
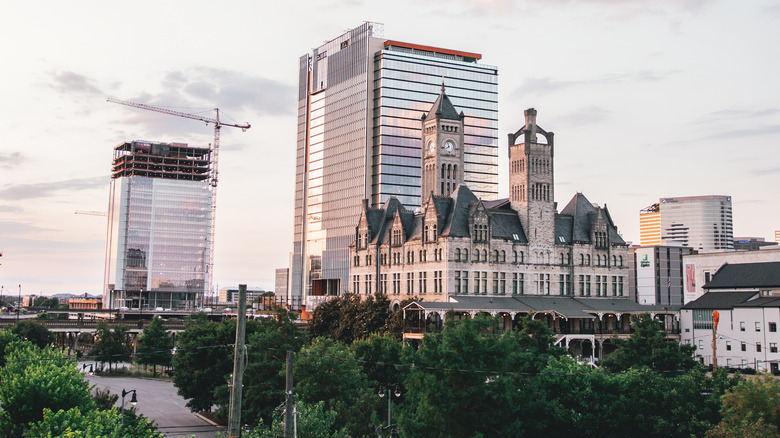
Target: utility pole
(715, 320)
(234, 424)
(288, 392)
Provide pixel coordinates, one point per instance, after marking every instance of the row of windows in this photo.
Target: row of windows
(477, 282)
(743, 346)
(772, 326)
(462, 255)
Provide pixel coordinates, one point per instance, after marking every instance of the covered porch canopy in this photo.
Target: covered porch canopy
(565, 315)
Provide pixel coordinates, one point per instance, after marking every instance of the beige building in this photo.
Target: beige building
(700, 268)
(459, 244)
(703, 223)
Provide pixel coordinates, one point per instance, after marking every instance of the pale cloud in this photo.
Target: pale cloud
(547, 85)
(584, 116)
(8, 160)
(45, 189)
(71, 82)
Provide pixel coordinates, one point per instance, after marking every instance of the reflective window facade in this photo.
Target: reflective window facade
(360, 99)
(406, 83)
(700, 222)
(159, 232)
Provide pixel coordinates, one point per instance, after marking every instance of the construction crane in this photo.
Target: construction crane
(213, 170)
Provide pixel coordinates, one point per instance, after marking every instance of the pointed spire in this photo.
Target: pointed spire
(443, 107)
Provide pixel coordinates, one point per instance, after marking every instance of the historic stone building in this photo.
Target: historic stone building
(499, 257)
(458, 244)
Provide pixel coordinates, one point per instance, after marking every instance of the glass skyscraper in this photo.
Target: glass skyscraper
(360, 102)
(703, 223)
(157, 251)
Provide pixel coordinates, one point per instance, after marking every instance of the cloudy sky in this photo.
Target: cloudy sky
(647, 98)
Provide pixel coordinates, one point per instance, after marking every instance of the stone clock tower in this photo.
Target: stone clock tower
(442, 148)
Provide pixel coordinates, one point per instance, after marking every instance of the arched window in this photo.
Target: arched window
(514, 256)
(582, 260)
(457, 254)
(425, 234)
(503, 256)
(465, 255)
(455, 172)
(434, 237)
(614, 260)
(443, 170)
(620, 261)
(522, 257)
(587, 260)
(495, 256)
(484, 255)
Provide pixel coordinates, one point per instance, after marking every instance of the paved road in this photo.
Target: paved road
(158, 401)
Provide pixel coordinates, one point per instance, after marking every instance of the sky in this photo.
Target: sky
(647, 99)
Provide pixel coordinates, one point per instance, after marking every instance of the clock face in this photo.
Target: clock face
(431, 147)
(449, 146)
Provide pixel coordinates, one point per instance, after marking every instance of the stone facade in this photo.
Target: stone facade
(459, 245)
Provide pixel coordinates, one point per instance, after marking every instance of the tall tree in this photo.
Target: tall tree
(34, 379)
(264, 378)
(327, 371)
(752, 406)
(156, 345)
(111, 345)
(34, 332)
(350, 317)
(75, 423)
(648, 347)
(463, 381)
(203, 360)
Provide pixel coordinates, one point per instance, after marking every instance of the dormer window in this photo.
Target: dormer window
(397, 241)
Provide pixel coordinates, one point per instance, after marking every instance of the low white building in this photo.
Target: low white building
(747, 297)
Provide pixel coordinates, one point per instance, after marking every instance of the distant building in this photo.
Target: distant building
(159, 227)
(656, 274)
(751, 243)
(281, 285)
(700, 268)
(360, 98)
(229, 296)
(777, 236)
(747, 297)
(84, 304)
(703, 223)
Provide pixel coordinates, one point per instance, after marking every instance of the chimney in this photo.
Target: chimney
(530, 125)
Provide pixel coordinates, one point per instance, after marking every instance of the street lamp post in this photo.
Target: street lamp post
(390, 390)
(133, 401)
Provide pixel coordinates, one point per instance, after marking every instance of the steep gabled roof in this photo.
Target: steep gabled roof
(742, 275)
(579, 208)
(443, 108)
(458, 223)
(505, 224)
(582, 216)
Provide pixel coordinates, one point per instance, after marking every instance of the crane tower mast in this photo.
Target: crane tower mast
(214, 165)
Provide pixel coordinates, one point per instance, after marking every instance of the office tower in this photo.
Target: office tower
(656, 274)
(360, 102)
(159, 219)
(703, 223)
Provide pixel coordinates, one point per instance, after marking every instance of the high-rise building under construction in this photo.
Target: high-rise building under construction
(159, 221)
(360, 102)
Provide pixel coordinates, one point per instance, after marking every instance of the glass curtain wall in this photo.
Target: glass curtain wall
(359, 108)
(160, 242)
(406, 83)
